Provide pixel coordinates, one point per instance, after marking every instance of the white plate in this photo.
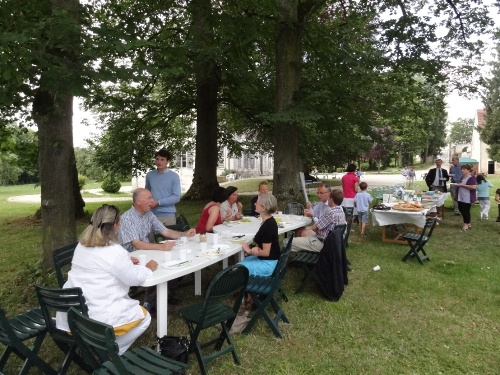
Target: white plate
(176, 263)
(167, 241)
(211, 253)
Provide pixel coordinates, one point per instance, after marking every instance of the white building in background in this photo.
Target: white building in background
(479, 149)
(248, 165)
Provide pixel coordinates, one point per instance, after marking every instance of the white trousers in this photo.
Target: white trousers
(124, 341)
(485, 207)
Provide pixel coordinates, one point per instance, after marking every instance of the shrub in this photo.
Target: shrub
(82, 180)
(111, 185)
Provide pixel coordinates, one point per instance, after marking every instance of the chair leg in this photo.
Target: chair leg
(5, 356)
(308, 275)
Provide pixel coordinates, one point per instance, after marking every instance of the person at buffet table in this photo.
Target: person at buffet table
(455, 177)
(483, 196)
(263, 189)
(436, 177)
(333, 216)
(105, 272)
(231, 209)
(466, 195)
(210, 215)
(350, 187)
(165, 186)
(362, 201)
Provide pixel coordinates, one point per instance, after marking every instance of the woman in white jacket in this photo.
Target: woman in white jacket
(105, 272)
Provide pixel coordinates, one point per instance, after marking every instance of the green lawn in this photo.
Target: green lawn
(440, 318)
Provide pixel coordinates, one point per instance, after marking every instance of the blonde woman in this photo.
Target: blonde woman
(105, 272)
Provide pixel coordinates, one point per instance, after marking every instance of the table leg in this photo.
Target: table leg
(197, 283)
(161, 309)
(225, 263)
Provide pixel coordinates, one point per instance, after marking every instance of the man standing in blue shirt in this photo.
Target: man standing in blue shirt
(456, 177)
(165, 185)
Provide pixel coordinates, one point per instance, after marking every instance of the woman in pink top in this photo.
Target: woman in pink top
(350, 186)
(210, 215)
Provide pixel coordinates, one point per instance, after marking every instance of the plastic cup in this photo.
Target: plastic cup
(142, 259)
(215, 239)
(182, 255)
(203, 246)
(183, 241)
(376, 268)
(167, 256)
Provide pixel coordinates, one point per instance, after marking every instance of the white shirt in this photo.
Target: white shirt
(105, 275)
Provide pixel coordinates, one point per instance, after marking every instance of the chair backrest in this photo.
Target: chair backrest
(283, 259)
(348, 211)
(96, 341)
(228, 282)
(182, 223)
(430, 223)
(293, 208)
(7, 335)
(54, 300)
(62, 258)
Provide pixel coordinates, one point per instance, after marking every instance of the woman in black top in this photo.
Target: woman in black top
(262, 257)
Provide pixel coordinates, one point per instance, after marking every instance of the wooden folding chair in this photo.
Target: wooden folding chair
(266, 291)
(417, 241)
(15, 331)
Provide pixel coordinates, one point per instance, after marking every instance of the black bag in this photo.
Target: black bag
(175, 347)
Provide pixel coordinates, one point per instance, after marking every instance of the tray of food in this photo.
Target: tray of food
(408, 206)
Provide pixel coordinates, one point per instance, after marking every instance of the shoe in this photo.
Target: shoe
(485, 217)
(469, 225)
(463, 230)
(457, 213)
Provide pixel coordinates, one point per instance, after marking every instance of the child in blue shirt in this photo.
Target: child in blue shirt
(483, 195)
(362, 202)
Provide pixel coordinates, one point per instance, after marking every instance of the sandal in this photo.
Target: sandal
(244, 308)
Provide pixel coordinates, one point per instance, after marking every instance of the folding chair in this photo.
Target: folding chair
(230, 282)
(61, 300)
(266, 291)
(181, 224)
(97, 341)
(308, 260)
(417, 241)
(13, 333)
(62, 260)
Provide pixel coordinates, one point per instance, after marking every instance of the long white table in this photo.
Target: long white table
(162, 276)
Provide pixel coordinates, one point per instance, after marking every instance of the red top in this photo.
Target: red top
(201, 227)
(348, 182)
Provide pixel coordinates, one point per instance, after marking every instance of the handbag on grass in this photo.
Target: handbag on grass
(175, 347)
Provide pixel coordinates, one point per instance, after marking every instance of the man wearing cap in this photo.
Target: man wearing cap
(437, 177)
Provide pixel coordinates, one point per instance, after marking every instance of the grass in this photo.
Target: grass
(440, 318)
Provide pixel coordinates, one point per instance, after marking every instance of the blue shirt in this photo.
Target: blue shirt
(456, 171)
(166, 189)
(483, 189)
(363, 200)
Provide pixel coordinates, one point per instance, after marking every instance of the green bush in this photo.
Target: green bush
(111, 185)
(82, 180)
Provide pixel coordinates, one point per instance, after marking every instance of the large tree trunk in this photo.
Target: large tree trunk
(53, 117)
(290, 29)
(53, 114)
(207, 89)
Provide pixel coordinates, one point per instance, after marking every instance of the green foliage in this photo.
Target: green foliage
(9, 170)
(86, 164)
(82, 180)
(461, 131)
(490, 134)
(111, 184)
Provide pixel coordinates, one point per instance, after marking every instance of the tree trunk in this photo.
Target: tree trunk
(287, 164)
(207, 89)
(53, 117)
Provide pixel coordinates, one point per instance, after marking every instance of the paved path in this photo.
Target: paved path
(373, 179)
